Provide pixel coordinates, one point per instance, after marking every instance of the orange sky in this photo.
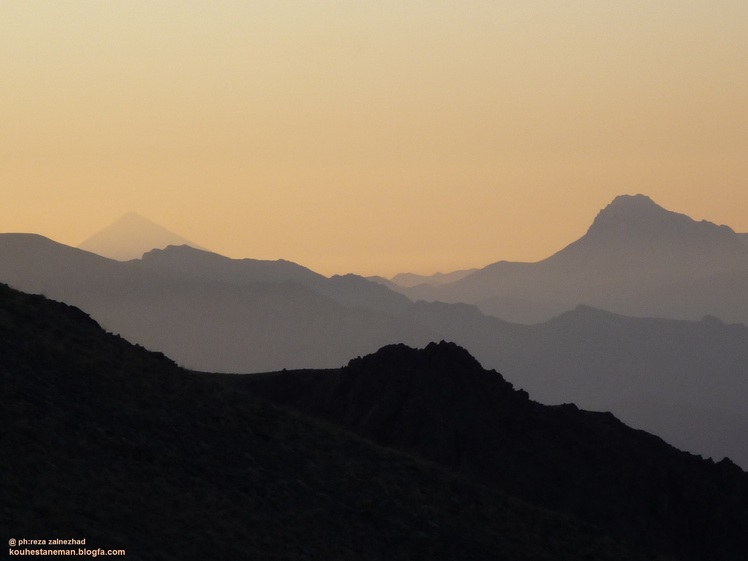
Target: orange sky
(370, 137)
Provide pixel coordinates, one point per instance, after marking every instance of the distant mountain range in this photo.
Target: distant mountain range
(120, 446)
(682, 380)
(130, 237)
(407, 280)
(636, 259)
(213, 313)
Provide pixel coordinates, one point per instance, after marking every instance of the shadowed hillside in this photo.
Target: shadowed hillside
(441, 404)
(119, 446)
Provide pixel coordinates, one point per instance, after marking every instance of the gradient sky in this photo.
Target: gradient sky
(370, 137)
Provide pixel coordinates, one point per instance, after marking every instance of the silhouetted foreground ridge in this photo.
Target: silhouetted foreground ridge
(440, 404)
(105, 441)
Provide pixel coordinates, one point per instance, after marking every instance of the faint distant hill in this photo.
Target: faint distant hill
(437, 279)
(409, 280)
(440, 404)
(633, 248)
(130, 237)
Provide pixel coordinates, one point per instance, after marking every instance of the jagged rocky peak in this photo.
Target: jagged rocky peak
(633, 202)
(633, 211)
(443, 353)
(439, 365)
(631, 217)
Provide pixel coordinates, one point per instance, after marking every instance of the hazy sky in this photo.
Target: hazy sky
(370, 137)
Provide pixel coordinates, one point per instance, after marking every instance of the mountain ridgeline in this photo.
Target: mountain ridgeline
(210, 312)
(636, 259)
(681, 379)
(119, 446)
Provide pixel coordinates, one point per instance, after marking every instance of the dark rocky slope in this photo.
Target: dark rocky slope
(441, 404)
(105, 441)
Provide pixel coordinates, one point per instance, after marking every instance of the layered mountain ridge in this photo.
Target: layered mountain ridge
(119, 446)
(209, 312)
(98, 418)
(633, 248)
